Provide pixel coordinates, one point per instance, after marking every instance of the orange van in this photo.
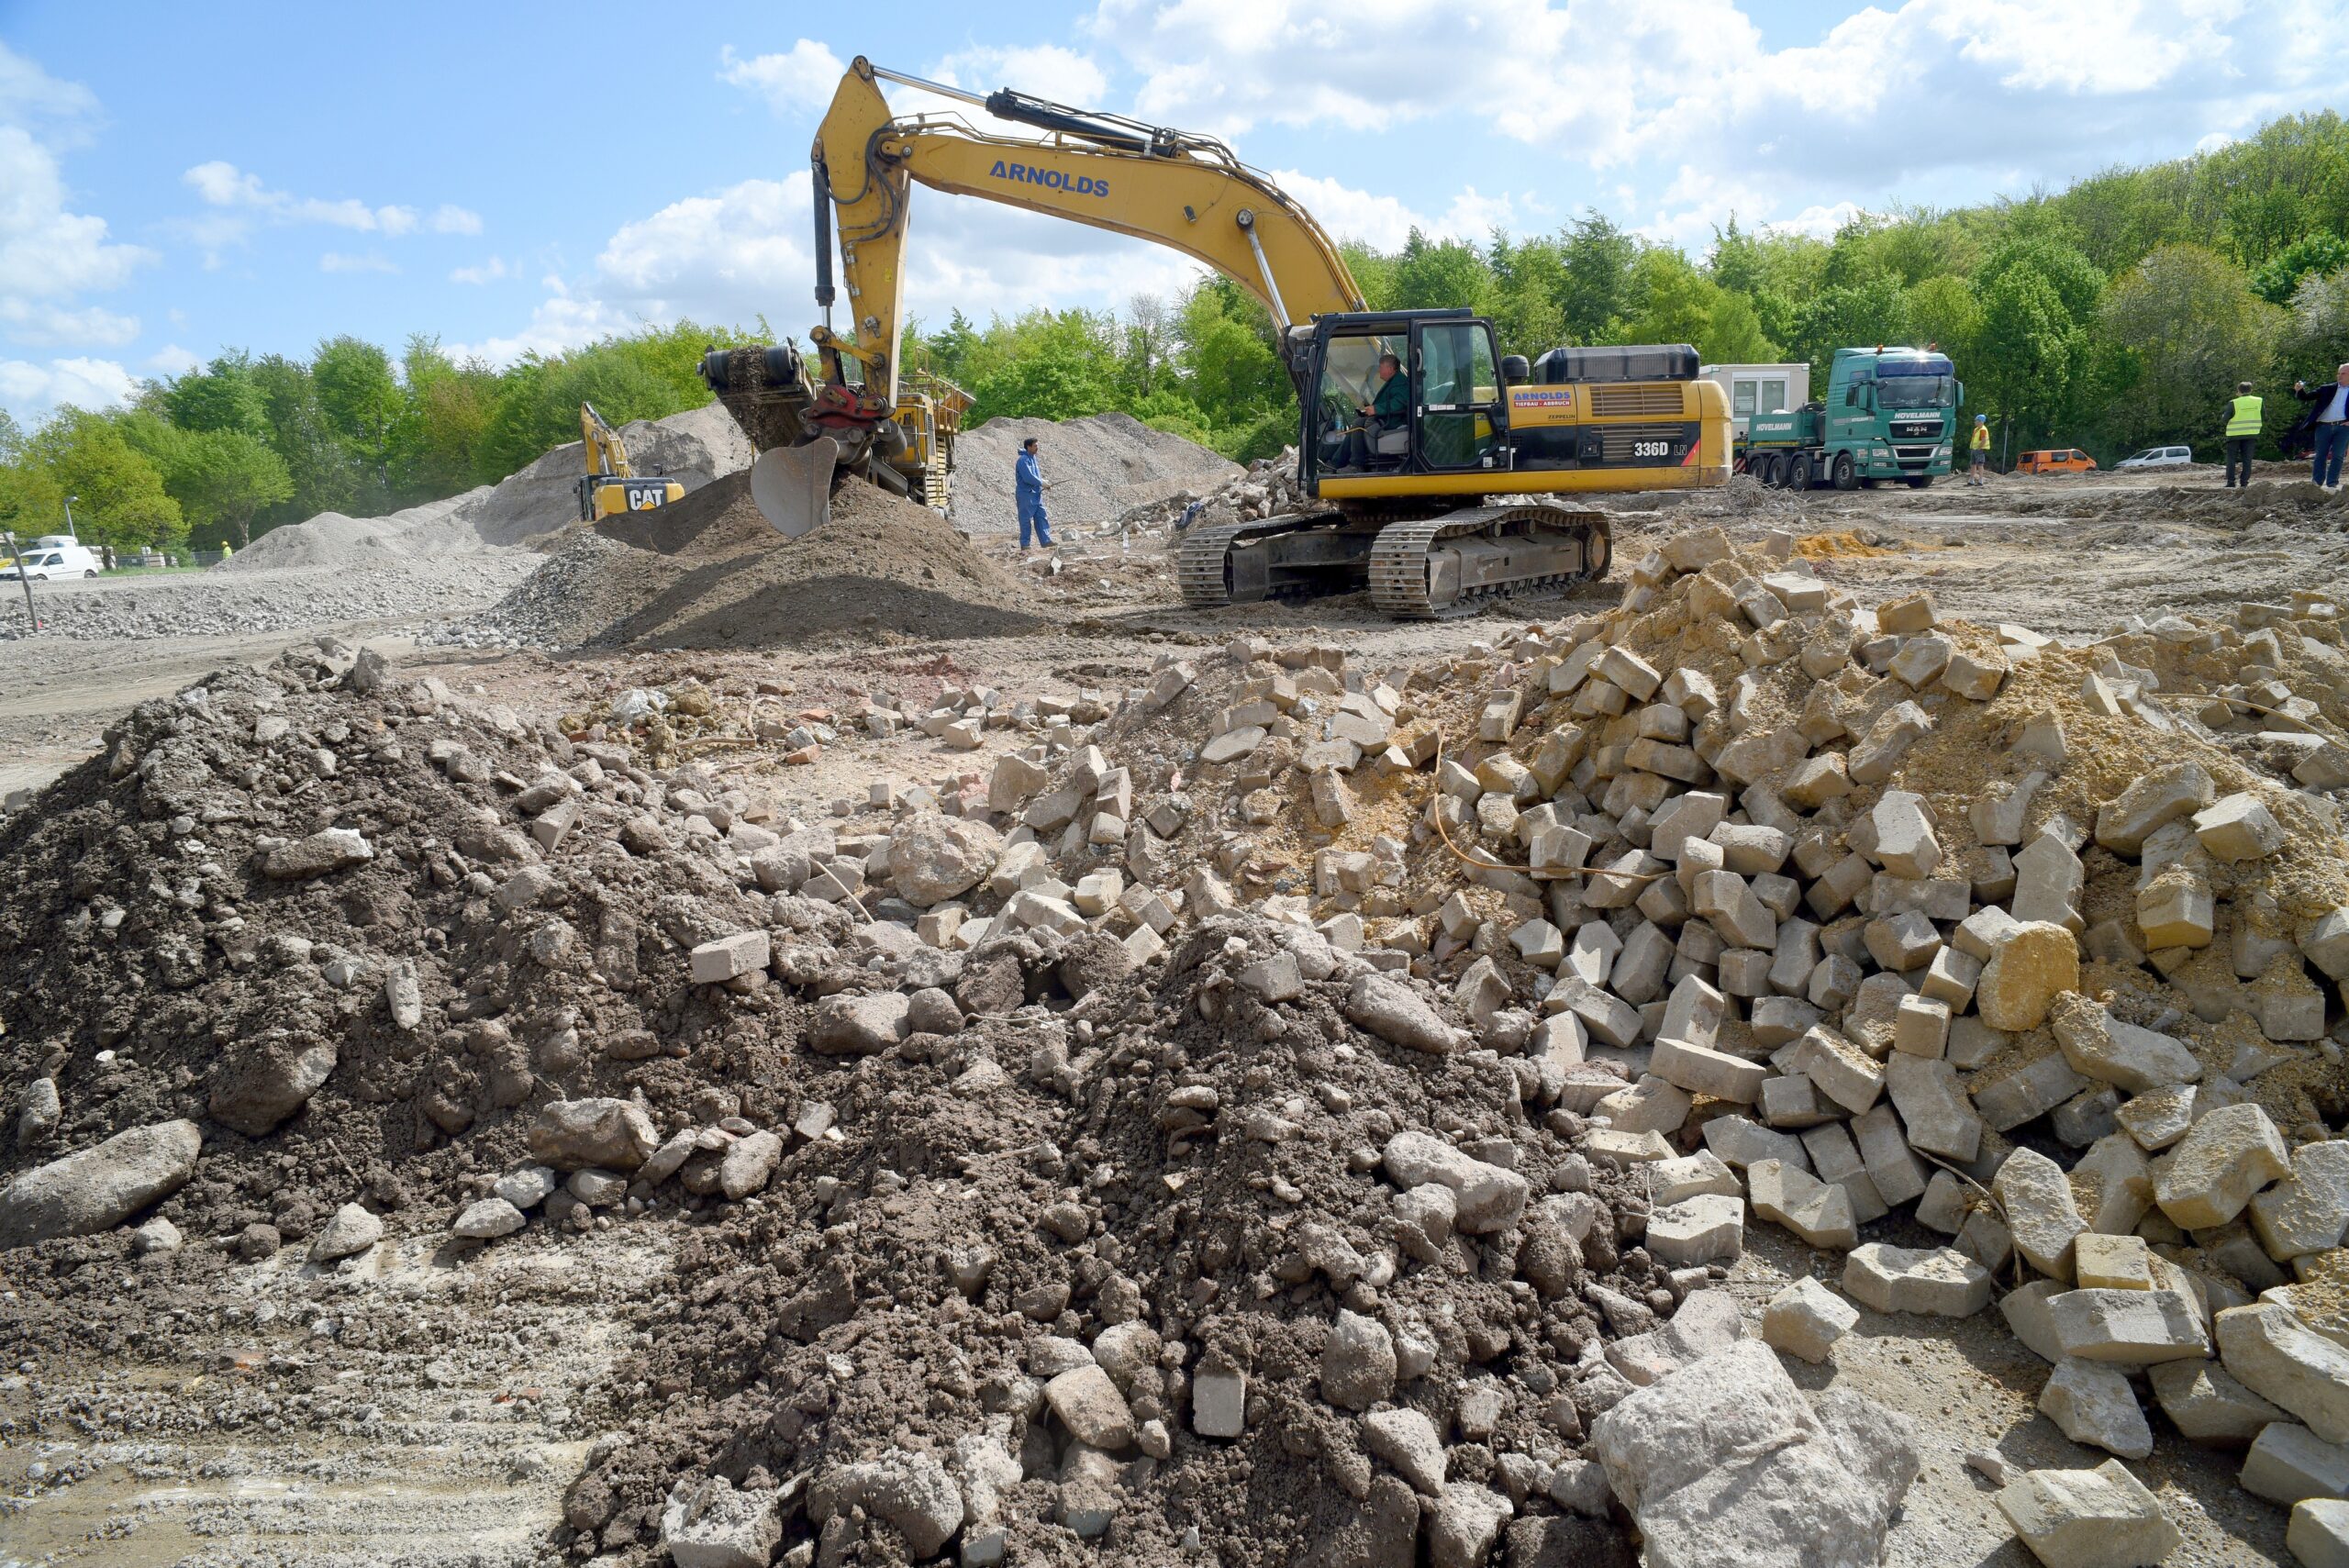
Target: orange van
(2063, 460)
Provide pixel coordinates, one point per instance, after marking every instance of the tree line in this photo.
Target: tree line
(2116, 314)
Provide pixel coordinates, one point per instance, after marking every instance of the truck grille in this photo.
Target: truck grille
(1636, 401)
(1913, 454)
(1621, 443)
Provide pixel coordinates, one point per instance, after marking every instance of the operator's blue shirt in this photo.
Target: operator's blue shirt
(1030, 479)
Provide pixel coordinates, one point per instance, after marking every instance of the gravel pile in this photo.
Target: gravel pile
(695, 448)
(388, 589)
(1099, 467)
(708, 571)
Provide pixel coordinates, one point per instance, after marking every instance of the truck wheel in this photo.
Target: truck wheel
(1799, 475)
(1919, 481)
(1847, 475)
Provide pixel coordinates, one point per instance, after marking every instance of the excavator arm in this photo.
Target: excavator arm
(1189, 193)
(605, 454)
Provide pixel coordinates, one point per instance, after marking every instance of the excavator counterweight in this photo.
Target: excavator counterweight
(1443, 476)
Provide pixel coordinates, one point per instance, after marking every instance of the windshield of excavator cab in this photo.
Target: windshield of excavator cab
(1350, 373)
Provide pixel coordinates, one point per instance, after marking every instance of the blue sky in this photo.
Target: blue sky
(528, 176)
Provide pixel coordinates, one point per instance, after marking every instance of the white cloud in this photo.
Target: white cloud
(30, 95)
(496, 267)
(49, 254)
(342, 262)
(1878, 103)
(41, 324)
(172, 359)
(799, 82)
(32, 390)
(449, 219)
(1385, 222)
(1039, 71)
(223, 184)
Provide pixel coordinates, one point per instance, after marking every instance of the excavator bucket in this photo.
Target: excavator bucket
(793, 485)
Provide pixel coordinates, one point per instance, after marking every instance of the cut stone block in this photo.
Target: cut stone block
(2103, 1518)
(2177, 910)
(2151, 801)
(2027, 1092)
(2227, 1156)
(2273, 1353)
(2288, 1462)
(2129, 1327)
(2048, 881)
(1843, 1071)
(2238, 828)
(1820, 1212)
(2208, 1405)
(1920, 1027)
(2030, 964)
(1702, 1071)
(2095, 1405)
(2308, 1210)
(1742, 1143)
(1896, 1172)
(1670, 1181)
(2318, 1536)
(1935, 1281)
(1939, 1117)
(2103, 1046)
(2111, 1262)
(1708, 1228)
(1806, 1319)
(2040, 1211)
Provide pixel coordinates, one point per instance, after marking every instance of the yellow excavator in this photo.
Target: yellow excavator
(610, 485)
(1440, 495)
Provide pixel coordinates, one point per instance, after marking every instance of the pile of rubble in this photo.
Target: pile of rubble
(1284, 1110)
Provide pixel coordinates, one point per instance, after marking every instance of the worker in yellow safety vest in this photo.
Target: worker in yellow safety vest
(2242, 435)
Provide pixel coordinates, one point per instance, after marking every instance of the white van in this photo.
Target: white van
(53, 559)
(2157, 457)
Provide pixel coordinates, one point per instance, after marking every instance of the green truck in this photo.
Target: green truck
(1887, 413)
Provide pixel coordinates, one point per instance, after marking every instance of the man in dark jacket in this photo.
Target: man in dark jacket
(2325, 426)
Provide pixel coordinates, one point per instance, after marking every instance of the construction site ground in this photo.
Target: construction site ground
(456, 1442)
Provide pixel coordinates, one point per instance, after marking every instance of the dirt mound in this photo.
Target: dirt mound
(1171, 1176)
(695, 448)
(1099, 467)
(708, 571)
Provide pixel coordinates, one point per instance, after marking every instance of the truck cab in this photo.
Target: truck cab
(1886, 413)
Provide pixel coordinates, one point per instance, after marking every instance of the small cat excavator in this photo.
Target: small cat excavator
(610, 485)
(1441, 494)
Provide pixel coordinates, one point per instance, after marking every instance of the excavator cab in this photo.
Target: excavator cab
(1455, 418)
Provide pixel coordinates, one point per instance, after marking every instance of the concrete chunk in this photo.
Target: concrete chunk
(2103, 1046)
(2040, 1211)
(1820, 1212)
(2206, 1404)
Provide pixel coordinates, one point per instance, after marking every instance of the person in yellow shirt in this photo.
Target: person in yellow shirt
(2242, 435)
(1979, 462)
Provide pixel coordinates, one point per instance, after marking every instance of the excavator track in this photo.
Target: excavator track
(1440, 568)
(1204, 567)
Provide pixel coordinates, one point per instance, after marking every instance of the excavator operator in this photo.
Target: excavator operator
(1386, 412)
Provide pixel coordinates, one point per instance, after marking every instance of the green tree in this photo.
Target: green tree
(361, 401)
(324, 478)
(223, 481)
(1848, 316)
(121, 496)
(2278, 277)
(1596, 260)
(1733, 334)
(1673, 301)
(2187, 327)
(222, 396)
(1440, 275)
(1942, 311)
